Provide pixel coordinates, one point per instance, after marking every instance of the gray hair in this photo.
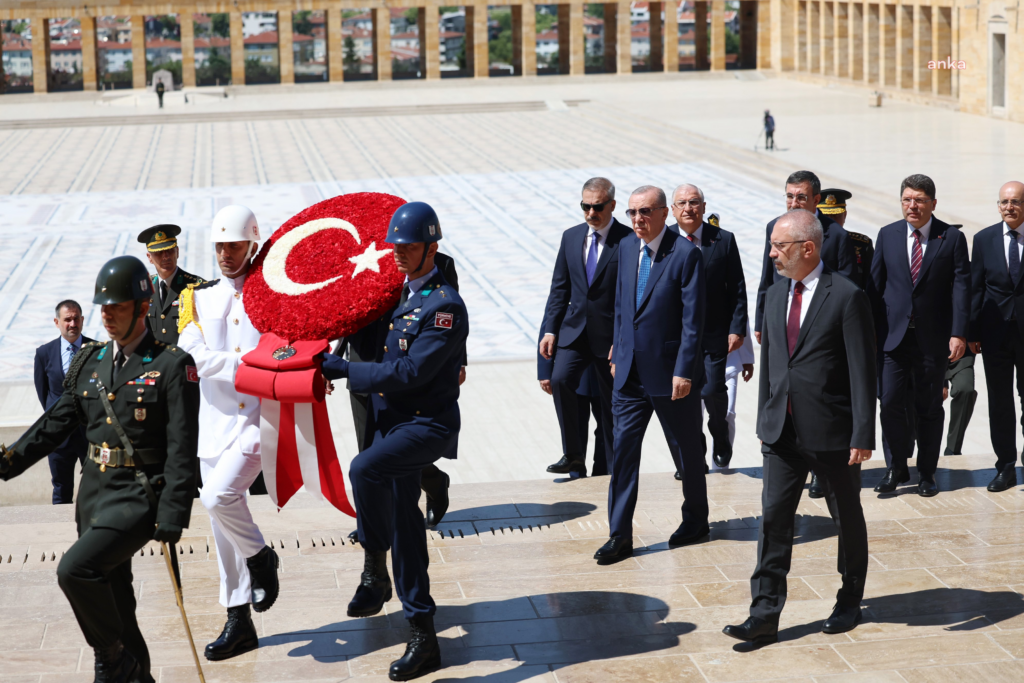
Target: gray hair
(644, 189)
(688, 186)
(804, 226)
(600, 185)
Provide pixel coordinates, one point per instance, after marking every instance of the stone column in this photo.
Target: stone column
(700, 35)
(827, 39)
(942, 25)
(611, 37)
(527, 41)
(765, 37)
(577, 42)
(905, 46)
(335, 47)
(923, 49)
(656, 32)
(623, 38)
(840, 39)
(285, 49)
(856, 41)
(237, 49)
(800, 62)
(90, 74)
(430, 42)
(479, 45)
(718, 35)
(784, 20)
(188, 49)
(670, 37)
(40, 55)
(887, 42)
(138, 52)
(382, 42)
(872, 44)
(813, 36)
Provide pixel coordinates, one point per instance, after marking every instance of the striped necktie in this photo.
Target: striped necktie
(916, 256)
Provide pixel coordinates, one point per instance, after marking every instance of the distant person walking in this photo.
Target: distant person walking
(769, 130)
(160, 93)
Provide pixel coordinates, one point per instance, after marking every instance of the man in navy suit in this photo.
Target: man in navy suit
(725, 319)
(579, 315)
(52, 361)
(922, 282)
(658, 367)
(997, 324)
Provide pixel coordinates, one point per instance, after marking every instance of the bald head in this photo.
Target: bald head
(1011, 199)
(796, 244)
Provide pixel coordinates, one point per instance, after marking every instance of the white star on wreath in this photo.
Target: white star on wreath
(369, 259)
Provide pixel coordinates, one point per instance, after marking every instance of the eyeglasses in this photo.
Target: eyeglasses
(693, 203)
(780, 245)
(911, 201)
(1015, 203)
(596, 207)
(644, 211)
(801, 197)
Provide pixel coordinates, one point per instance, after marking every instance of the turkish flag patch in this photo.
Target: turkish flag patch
(444, 320)
(191, 373)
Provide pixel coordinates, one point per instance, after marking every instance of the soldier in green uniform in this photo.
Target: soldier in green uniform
(162, 251)
(959, 387)
(833, 205)
(138, 399)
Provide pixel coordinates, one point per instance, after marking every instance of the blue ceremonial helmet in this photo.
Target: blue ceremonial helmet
(414, 222)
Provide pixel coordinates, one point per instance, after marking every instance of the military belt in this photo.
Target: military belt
(118, 457)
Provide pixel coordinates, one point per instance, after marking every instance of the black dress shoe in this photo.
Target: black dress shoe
(926, 488)
(354, 536)
(816, 491)
(678, 475)
(892, 479)
(754, 630)
(614, 550)
(422, 654)
(238, 637)
(263, 568)
(722, 460)
(1007, 479)
(114, 664)
(687, 534)
(577, 469)
(374, 587)
(843, 619)
(437, 498)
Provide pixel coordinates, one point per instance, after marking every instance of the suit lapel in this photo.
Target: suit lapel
(611, 244)
(817, 301)
(577, 259)
(709, 238)
(668, 243)
(630, 257)
(936, 238)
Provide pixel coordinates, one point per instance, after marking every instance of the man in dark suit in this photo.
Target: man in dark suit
(579, 314)
(162, 251)
(725, 314)
(51, 365)
(815, 410)
(997, 324)
(658, 368)
(922, 289)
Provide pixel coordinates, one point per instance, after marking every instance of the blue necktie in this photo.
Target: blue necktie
(592, 257)
(641, 278)
(72, 349)
(1013, 258)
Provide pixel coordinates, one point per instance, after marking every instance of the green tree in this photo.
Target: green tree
(594, 10)
(545, 21)
(412, 15)
(732, 42)
(301, 23)
(351, 57)
(221, 25)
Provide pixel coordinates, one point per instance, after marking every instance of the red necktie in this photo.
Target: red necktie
(793, 326)
(692, 238)
(915, 258)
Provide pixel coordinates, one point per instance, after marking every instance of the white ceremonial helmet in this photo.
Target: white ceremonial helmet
(235, 223)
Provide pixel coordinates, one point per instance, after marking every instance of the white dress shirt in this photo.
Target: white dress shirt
(810, 284)
(167, 281)
(227, 419)
(1006, 244)
(603, 232)
(696, 234)
(416, 284)
(925, 231)
(65, 351)
(654, 245)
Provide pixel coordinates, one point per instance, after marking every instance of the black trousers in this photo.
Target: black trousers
(962, 398)
(911, 376)
(570, 364)
(715, 395)
(96, 576)
(62, 462)
(786, 463)
(1001, 359)
(589, 405)
(431, 478)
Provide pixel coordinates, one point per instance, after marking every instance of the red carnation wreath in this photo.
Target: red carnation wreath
(327, 272)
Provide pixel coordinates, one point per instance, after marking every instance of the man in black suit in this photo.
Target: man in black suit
(922, 290)
(579, 317)
(725, 315)
(52, 361)
(816, 410)
(997, 324)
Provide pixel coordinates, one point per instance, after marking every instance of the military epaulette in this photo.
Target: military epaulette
(194, 279)
(859, 237)
(203, 284)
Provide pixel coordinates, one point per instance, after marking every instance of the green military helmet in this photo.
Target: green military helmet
(122, 278)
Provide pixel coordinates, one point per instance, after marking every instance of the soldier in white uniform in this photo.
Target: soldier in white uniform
(216, 331)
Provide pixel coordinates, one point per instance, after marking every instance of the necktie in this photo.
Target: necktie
(692, 238)
(1013, 258)
(592, 257)
(916, 256)
(72, 350)
(118, 363)
(641, 278)
(793, 326)
(163, 293)
(404, 297)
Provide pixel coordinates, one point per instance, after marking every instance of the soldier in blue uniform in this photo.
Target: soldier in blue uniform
(414, 421)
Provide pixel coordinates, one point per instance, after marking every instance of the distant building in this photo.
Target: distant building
(204, 46)
(263, 47)
(17, 56)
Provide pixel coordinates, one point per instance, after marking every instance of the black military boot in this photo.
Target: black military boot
(238, 637)
(374, 588)
(114, 664)
(436, 489)
(263, 568)
(422, 654)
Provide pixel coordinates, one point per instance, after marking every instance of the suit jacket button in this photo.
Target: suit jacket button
(162, 316)
(385, 349)
(636, 326)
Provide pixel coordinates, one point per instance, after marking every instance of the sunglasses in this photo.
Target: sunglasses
(643, 211)
(596, 207)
